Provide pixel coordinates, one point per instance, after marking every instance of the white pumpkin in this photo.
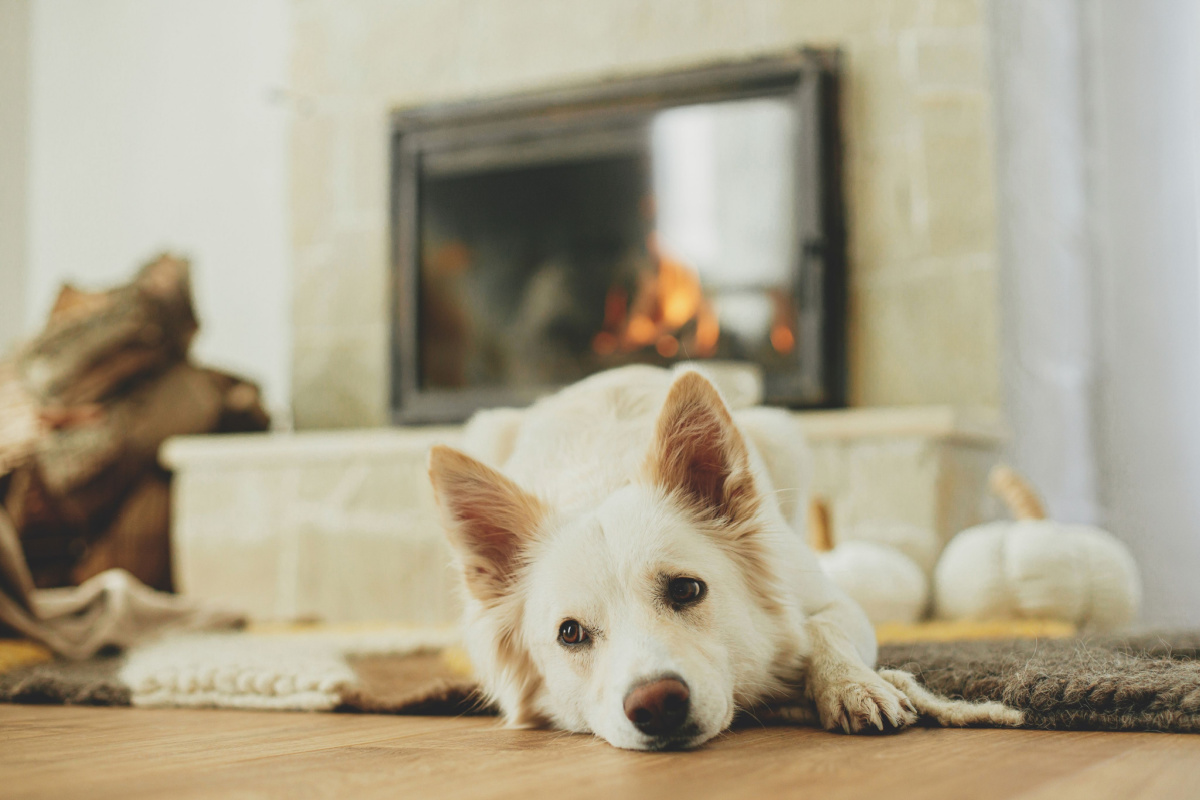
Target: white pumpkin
(1036, 569)
(888, 585)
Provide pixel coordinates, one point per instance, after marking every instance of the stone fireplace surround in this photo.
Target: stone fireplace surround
(916, 130)
(342, 525)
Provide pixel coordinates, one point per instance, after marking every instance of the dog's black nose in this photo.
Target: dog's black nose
(659, 706)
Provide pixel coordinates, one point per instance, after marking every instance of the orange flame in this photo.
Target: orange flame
(783, 336)
(782, 339)
(663, 305)
(667, 346)
(708, 331)
(679, 293)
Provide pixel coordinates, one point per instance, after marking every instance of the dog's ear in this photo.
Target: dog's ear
(488, 518)
(699, 455)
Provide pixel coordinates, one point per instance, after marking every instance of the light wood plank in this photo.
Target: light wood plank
(128, 754)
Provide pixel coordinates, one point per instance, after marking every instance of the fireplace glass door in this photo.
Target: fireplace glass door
(547, 238)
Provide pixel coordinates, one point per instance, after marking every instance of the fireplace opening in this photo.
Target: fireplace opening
(690, 216)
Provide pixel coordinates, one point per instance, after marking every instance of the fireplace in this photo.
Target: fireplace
(687, 216)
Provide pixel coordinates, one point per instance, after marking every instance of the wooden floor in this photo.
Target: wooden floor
(95, 753)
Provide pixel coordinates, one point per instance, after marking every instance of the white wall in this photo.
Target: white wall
(14, 175)
(162, 124)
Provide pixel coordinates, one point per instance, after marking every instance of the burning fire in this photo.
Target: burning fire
(783, 339)
(670, 312)
(663, 305)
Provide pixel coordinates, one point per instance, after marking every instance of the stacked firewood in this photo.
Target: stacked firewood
(84, 408)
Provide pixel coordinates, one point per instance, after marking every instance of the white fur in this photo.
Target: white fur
(608, 541)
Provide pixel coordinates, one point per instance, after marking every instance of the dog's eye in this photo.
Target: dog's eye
(685, 590)
(572, 633)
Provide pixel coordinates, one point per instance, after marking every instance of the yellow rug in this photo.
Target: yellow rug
(948, 631)
(16, 653)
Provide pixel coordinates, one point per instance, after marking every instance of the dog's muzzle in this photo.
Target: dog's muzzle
(658, 707)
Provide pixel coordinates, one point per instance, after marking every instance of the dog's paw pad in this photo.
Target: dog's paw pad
(865, 706)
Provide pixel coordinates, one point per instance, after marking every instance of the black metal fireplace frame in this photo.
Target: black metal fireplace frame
(808, 77)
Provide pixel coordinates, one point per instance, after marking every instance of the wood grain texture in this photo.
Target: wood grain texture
(127, 754)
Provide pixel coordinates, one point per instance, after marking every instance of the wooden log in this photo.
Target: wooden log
(84, 409)
(20, 425)
(138, 539)
(95, 342)
(89, 468)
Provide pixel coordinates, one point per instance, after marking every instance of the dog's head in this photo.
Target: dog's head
(644, 620)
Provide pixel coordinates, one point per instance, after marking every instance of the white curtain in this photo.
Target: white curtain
(1098, 151)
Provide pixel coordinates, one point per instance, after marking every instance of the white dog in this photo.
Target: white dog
(634, 569)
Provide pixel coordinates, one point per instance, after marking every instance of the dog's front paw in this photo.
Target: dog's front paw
(863, 704)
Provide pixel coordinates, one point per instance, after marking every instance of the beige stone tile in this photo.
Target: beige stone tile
(955, 13)
(348, 573)
(950, 61)
(957, 156)
(368, 175)
(568, 42)
(961, 193)
(904, 14)
(400, 486)
(243, 576)
(228, 503)
(689, 32)
(883, 226)
(564, 43)
(571, 40)
(324, 483)
(830, 470)
(889, 480)
(225, 537)
(962, 498)
(879, 101)
(410, 52)
(314, 52)
(339, 538)
(344, 284)
(954, 114)
(930, 339)
(340, 377)
(958, 169)
(376, 488)
(312, 178)
(832, 20)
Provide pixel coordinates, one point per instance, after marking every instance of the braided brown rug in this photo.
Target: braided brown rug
(1145, 683)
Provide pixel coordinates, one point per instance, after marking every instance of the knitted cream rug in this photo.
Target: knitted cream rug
(289, 669)
(1144, 683)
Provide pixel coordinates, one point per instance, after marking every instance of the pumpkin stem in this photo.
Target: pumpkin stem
(820, 534)
(1022, 501)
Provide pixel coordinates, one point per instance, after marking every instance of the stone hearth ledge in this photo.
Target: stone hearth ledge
(342, 526)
